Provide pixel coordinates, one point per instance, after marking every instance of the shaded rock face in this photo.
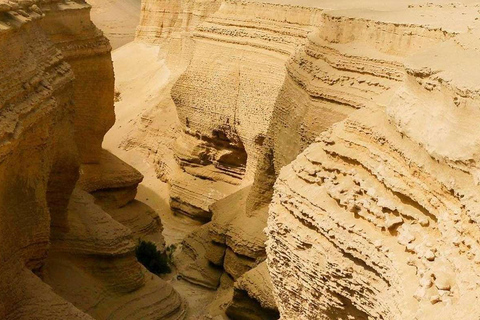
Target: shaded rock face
(63, 256)
(253, 298)
(87, 52)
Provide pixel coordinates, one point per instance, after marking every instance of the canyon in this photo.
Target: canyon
(310, 159)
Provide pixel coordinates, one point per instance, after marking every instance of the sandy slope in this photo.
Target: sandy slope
(139, 77)
(118, 19)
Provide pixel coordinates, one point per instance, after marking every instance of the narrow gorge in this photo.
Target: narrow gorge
(239, 159)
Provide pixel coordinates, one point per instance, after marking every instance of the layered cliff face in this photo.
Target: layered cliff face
(340, 69)
(167, 20)
(226, 96)
(56, 103)
(35, 107)
(377, 218)
(88, 52)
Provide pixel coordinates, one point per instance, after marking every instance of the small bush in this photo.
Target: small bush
(116, 96)
(155, 261)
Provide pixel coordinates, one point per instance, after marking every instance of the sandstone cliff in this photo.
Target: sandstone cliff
(226, 96)
(376, 219)
(63, 256)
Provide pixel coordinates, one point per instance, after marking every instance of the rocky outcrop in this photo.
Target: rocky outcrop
(87, 52)
(112, 181)
(63, 256)
(241, 236)
(93, 265)
(377, 218)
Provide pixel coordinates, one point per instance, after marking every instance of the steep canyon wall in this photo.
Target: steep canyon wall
(330, 148)
(63, 256)
(371, 220)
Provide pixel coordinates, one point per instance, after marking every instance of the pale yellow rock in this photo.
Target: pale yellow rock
(258, 285)
(364, 115)
(427, 269)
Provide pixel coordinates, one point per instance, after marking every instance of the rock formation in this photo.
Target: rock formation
(253, 298)
(63, 256)
(327, 151)
(225, 98)
(263, 81)
(371, 219)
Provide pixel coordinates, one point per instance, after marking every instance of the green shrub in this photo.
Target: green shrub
(155, 261)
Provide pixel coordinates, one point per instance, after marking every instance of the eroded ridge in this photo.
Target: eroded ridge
(377, 221)
(63, 256)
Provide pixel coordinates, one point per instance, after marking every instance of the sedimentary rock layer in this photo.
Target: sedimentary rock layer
(361, 222)
(377, 219)
(327, 78)
(226, 95)
(88, 52)
(56, 103)
(36, 91)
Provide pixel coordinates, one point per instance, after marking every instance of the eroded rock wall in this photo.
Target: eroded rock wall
(258, 82)
(63, 256)
(226, 96)
(337, 71)
(88, 52)
(376, 219)
(36, 106)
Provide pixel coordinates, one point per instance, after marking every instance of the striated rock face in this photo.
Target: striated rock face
(226, 96)
(88, 52)
(351, 58)
(63, 256)
(364, 113)
(377, 218)
(172, 20)
(36, 92)
(192, 262)
(338, 70)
